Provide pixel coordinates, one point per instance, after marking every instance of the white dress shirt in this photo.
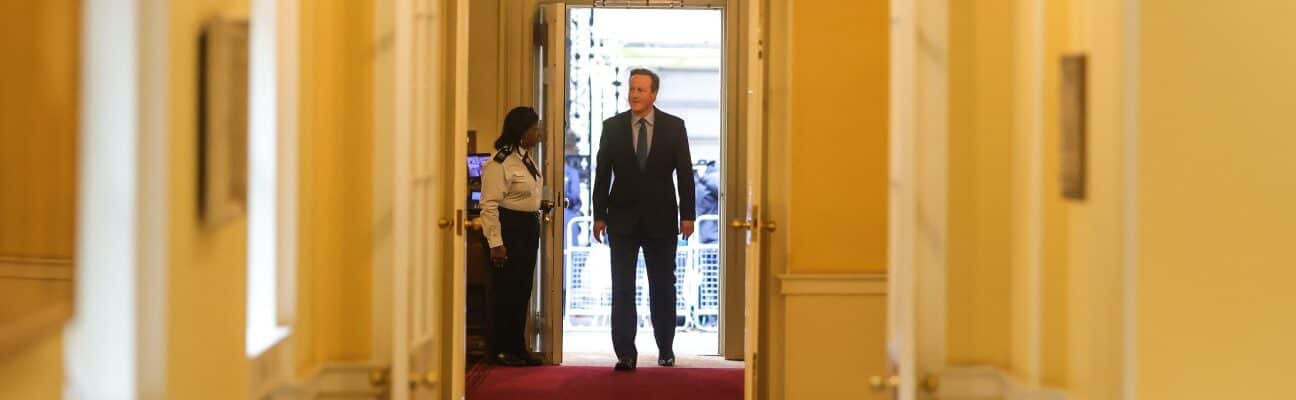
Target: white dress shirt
(509, 185)
(634, 129)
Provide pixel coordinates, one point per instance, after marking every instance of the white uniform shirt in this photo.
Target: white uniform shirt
(509, 185)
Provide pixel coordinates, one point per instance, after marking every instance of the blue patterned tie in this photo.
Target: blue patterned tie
(642, 151)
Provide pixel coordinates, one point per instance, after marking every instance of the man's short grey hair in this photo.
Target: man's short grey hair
(656, 82)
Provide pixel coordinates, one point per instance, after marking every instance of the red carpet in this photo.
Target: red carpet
(602, 383)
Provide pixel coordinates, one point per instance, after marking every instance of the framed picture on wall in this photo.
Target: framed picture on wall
(223, 120)
(1073, 114)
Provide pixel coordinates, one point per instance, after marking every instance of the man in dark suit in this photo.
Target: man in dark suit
(636, 204)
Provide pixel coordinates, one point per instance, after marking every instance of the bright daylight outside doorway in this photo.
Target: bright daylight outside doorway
(684, 47)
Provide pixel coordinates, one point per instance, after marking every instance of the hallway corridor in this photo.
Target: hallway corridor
(904, 199)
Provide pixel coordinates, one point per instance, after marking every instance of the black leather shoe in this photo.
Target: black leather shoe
(510, 360)
(625, 364)
(667, 361)
(532, 360)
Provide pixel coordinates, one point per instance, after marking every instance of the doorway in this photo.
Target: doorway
(685, 48)
(575, 86)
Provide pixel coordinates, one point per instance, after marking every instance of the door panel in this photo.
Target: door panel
(902, 219)
(429, 184)
(404, 203)
(754, 137)
(456, 108)
(733, 253)
(553, 108)
(417, 183)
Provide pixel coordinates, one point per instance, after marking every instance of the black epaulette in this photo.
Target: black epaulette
(503, 154)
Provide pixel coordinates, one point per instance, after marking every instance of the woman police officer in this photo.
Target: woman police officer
(510, 212)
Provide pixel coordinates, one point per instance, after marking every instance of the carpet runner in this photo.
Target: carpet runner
(602, 383)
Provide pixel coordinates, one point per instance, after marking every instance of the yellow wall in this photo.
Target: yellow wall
(39, 102)
(1095, 225)
(501, 71)
(208, 270)
(1215, 200)
(484, 71)
(828, 358)
(839, 107)
(336, 183)
(518, 78)
(34, 372)
(990, 218)
(1053, 357)
(981, 208)
(38, 128)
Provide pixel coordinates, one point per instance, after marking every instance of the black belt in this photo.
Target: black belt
(515, 213)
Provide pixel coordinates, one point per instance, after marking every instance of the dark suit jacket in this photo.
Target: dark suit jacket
(625, 196)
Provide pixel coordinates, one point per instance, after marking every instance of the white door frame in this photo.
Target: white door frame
(732, 153)
(459, 126)
(553, 105)
(752, 78)
(918, 227)
(902, 218)
(402, 241)
(115, 344)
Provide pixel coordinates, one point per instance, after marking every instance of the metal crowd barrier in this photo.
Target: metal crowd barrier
(589, 290)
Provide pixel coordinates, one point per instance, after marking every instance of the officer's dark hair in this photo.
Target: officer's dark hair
(516, 123)
(656, 82)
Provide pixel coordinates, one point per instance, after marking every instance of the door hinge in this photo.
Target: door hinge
(540, 31)
(540, 323)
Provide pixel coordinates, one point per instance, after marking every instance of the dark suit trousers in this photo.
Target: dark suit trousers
(511, 284)
(659, 257)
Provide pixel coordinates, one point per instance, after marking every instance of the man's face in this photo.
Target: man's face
(641, 95)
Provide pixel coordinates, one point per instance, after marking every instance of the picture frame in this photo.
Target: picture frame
(223, 120)
(1073, 113)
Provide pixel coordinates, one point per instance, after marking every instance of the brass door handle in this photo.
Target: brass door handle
(427, 380)
(770, 226)
(443, 223)
(378, 377)
(474, 224)
(878, 383)
(741, 224)
(931, 384)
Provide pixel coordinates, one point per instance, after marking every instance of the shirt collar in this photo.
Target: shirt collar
(651, 118)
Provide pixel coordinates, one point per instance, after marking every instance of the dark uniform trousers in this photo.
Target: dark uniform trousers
(511, 284)
(659, 259)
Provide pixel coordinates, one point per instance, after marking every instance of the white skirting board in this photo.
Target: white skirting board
(989, 383)
(336, 381)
